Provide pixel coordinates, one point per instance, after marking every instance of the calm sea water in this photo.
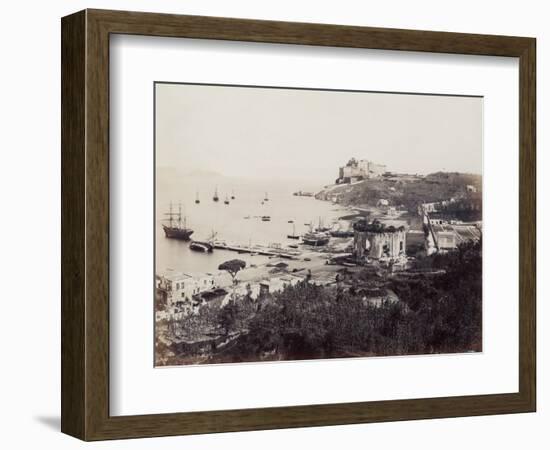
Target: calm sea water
(230, 222)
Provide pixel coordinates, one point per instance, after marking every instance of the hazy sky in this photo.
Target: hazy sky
(285, 133)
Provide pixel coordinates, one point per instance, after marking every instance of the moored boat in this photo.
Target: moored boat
(201, 246)
(316, 239)
(293, 235)
(206, 246)
(176, 228)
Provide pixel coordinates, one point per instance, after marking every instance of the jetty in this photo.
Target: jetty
(258, 250)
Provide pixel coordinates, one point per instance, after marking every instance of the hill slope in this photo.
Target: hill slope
(405, 191)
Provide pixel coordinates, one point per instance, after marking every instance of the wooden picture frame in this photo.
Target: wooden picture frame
(85, 224)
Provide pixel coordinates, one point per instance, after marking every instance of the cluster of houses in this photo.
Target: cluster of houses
(182, 294)
(444, 232)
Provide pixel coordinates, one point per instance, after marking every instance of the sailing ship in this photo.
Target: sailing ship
(197, 201)
(176, 228)
(226, 201)
(216, 198)
(293, 235)
(266, 197)
(315, 238)
(232, 195)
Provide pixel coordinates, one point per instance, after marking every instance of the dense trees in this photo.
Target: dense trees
(448, 308)
(435, 314)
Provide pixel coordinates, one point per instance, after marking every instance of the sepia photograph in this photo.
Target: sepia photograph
(305, 224)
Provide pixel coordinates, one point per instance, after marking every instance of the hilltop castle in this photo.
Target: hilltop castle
(356, 170)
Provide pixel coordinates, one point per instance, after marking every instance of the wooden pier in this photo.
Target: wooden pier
(258, 250)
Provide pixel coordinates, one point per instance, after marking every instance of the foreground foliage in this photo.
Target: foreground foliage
(435, 314)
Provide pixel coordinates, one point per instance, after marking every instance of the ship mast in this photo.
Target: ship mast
(170, 215)
(180, 218)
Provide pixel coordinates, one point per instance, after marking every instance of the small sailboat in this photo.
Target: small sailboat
(216, 198)
(232, 195)
(197, 201)
(266, 197)
(226, 201)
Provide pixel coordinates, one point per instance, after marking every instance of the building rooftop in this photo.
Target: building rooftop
(462, 233)
(378, 226)
(175, 276)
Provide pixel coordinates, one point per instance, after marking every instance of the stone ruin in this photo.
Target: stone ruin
(377, 241)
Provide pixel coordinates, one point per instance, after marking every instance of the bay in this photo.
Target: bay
(237, 223)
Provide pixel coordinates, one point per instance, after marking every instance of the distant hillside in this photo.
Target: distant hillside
(405, 191)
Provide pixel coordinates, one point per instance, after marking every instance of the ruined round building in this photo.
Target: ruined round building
(378, 241)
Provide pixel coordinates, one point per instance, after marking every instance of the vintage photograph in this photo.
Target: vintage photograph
(304, 224)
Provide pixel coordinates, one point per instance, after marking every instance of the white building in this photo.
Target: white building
(181, 287)
(430, 207)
